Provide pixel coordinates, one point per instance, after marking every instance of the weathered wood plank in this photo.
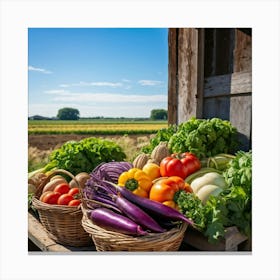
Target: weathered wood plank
(172, 76)
(235, 83)
(190, 70)
(38, 235)
(233, 238)
(237, 109)
(243, 50)
(241, 118)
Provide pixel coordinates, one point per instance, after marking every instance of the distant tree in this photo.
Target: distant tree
(158, 114)
(68, 114)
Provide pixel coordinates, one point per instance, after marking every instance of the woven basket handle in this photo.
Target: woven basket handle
(53, 173)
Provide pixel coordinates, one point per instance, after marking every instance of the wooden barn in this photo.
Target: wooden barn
(210, 75)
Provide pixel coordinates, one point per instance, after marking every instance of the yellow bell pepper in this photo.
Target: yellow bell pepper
(137, 181)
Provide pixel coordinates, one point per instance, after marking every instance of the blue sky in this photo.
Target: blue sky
(109, 72)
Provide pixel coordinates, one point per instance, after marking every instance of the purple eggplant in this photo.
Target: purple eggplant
(152, 206)
(110, 220)
(136, 214)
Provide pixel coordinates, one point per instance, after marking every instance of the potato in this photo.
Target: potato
(81, 178)
(52, 184)
(57, 177)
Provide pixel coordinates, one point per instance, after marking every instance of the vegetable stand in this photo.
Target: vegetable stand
(213, 200)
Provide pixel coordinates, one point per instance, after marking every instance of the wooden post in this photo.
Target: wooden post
(190, 73)
(172, 75)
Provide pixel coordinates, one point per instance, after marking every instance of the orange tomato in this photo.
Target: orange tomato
(51, 197)
(62, 188)
(74, 202)
(74, 191)
(64, 199)
(44, 194)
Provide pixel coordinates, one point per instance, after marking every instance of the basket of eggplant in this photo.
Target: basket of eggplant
(119, 220)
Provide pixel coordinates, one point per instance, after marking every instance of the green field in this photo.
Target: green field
(95, 126)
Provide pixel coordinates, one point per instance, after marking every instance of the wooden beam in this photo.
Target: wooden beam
(172, 75)
(235, 83)
(190, 73)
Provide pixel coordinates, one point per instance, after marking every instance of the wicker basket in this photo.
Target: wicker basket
(105, 240)
(62, 223)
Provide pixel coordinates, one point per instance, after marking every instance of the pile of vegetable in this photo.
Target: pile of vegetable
(191, 173)
(59, 191)
(230, 206)
(120, 209)
(212, 193)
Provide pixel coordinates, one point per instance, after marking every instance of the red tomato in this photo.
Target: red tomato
(64, 199)
(74, 202)
(62, 188)
(74, 191)
(51, 197)
(181, 165)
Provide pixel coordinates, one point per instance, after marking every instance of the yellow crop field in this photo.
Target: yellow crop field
(94, 127)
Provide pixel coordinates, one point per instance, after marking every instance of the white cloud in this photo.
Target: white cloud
(97, 84)
(115, 98)
(149, 82)
(31, 68)
(56, 91)
(107, 84)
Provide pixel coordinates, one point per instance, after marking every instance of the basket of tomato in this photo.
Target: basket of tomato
(58, 203)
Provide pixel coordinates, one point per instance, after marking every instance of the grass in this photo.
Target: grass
(37, 158)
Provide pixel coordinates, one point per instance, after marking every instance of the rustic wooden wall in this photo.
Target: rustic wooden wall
(210, 75)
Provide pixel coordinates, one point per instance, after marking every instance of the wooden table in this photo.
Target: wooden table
(193, 241)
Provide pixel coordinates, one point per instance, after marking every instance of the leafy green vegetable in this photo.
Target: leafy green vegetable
(239, 172)
(232, 207)
(84, 155)
(203, 137)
